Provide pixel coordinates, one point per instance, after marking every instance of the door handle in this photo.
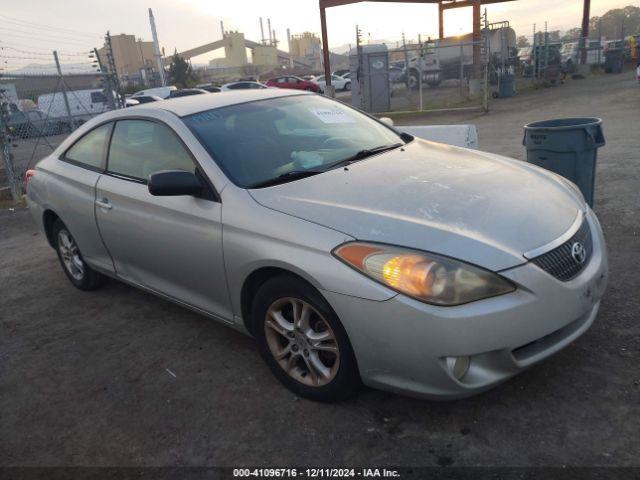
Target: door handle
(104, 203)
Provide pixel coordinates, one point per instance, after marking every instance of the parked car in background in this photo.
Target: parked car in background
(186, 92)
(339, 83)
(293, 82)
(421, 268)
(341, 73)
(147, 98)
(162, 92)
(243, 85)
(209, 87)
(130, 102)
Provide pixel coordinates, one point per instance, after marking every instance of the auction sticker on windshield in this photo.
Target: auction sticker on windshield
(332, 115)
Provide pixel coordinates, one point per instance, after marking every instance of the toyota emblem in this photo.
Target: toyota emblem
(579, 253)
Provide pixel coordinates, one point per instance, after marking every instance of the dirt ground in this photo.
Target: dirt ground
(120, 377)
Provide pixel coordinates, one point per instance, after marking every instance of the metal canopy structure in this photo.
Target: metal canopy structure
(442, 6)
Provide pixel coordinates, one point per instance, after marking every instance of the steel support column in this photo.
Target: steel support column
(585, 30)
(440, 21)
(325, 45)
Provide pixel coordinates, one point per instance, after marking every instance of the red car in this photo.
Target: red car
(296, 83)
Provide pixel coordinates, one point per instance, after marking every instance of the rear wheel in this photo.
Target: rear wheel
(302, 340)
(78, 272)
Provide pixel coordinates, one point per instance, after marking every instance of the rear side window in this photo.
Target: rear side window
(90, 150)
(98, 97)
(140, 148)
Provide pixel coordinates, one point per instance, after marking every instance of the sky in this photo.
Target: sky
(33, 28)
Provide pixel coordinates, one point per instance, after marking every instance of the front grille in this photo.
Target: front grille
(560, 261)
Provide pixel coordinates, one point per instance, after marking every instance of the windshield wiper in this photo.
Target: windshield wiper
(362, 154)
(286, 177)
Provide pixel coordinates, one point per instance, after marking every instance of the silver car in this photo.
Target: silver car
(351, 252)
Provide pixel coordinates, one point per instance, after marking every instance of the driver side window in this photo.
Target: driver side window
(141, 147)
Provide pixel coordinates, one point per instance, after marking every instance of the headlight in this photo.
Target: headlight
(424, 276)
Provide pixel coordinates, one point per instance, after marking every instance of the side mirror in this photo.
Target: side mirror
(387, 121)
(171, 183)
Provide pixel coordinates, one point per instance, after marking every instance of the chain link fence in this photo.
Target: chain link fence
(38, 111)
(431, 77)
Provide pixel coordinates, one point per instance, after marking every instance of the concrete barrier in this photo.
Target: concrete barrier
(458, 135)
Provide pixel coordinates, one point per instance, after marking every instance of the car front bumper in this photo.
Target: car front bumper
(403, 345)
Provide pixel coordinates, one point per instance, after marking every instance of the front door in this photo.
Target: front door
(172, 245)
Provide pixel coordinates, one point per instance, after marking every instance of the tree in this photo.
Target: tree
(552, 36)
(523, 42)
(616, 23)
(572, 34)
(180, 71)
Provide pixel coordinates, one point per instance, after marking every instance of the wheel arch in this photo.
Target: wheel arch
(49, 217)
(259, 277)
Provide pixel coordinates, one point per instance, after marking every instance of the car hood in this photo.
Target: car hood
(474, 206)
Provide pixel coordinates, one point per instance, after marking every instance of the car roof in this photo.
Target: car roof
(189, 105)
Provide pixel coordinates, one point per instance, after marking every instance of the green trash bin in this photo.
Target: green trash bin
(568, 147)
(614, 60)
(506, 89)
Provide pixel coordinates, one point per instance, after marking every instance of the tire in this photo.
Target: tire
(297, 368)
(309, 89)
(413, 80)
(347, 87)
(80, 274)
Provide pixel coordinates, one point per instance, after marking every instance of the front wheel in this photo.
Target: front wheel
(347, 86)
(80, 274)
(302, 340)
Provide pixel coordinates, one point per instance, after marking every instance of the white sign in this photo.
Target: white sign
(332, 115)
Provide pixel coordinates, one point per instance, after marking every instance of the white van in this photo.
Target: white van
(83, 104)
(162, 92)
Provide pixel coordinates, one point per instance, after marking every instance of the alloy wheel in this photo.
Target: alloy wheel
(302, 342)
(70, 255)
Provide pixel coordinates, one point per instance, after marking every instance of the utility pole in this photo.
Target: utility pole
(546, 46)
(534, 55)
(361, 89)
(107, 81)
(112, 69)
(64, 90)
(585, 31)
(406, 59)
(156, 48)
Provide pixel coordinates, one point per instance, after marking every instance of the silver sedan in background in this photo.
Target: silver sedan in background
(351, 252)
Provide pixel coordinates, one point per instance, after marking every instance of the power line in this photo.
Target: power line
(28, 24)
(55, 36)
(40, 39)
(47, 54)
(40, 51)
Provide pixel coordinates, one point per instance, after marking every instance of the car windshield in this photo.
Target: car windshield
(285, 138)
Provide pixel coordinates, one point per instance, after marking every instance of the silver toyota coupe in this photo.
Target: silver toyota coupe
(352, 252)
